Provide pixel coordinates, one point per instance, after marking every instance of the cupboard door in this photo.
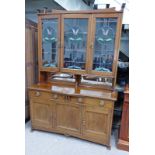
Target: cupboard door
(105, 44)
(75, 39)
(49, 42)
(68, 118)
(41, 114)
(97, 124)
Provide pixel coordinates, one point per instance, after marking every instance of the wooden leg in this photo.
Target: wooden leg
(32, 129)
(67, 135)
(123, 145)
(109, 147)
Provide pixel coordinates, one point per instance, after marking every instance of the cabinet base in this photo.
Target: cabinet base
(123, 145)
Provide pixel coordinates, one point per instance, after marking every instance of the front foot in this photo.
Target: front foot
(109, 147)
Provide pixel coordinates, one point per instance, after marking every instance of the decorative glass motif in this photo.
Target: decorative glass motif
(104, 44)
(75, 43)
(49, 42)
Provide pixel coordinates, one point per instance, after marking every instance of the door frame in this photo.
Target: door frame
(40, 18)
(70, 16)
(116, 48)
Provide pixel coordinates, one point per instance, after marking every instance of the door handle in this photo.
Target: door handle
(38, 93)
(102, 103)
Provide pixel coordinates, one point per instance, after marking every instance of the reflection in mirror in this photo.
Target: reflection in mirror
(104, 44)
(75, 42)
(96, 80)
(49, 42)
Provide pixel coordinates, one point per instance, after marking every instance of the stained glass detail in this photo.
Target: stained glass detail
(49, 42)
(75, 43)
(104, 44)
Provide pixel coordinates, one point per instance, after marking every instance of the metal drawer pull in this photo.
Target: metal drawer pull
(101, 103)
(55, 96)
(80, 100)
(67, 98)
(38, 93)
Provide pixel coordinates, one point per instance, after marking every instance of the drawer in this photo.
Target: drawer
(40, 95)
(98, 102)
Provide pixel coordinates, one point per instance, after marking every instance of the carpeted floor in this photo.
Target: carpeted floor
(44, 143)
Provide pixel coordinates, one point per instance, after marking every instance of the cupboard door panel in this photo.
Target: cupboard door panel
(106, 32)
(104, 44)
(41, 114)
(68, 118)
(96, 124)
(49, 42)
(75, 39)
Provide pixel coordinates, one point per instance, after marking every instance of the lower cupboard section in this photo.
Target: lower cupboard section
(85, 121)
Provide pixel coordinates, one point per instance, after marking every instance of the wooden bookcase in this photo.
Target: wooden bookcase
(85, 45)
(31, 65)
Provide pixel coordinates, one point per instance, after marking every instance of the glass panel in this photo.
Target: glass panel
(75, 43)
(49, 42)
(104, 44)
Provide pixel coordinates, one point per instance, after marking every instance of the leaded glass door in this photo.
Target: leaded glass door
(49, 43)
(75, 43)
(105, 45)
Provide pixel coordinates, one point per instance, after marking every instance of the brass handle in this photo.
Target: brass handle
(67, 97)
(55, 96)
(102, 103)
(38, 93)
(80, 100)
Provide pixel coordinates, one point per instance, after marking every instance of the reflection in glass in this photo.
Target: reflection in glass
(75, 42)
(104, 44)
(49, 42)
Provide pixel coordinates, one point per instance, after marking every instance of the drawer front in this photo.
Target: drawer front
(98, 102)
(35, 94)
(40, 95)
(85, 101)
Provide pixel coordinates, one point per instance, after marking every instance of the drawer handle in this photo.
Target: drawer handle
(101, 103)
(80, 100)
(67, 98)
(55, 96)
(38, 93)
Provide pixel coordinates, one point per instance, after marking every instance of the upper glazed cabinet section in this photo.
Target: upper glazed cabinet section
(80, 43)
(49, 43)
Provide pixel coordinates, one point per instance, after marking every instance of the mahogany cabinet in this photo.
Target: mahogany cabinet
(123, 142)
(80, 44)
(31, 34)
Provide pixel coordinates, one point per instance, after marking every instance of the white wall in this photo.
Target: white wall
(73, 4)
